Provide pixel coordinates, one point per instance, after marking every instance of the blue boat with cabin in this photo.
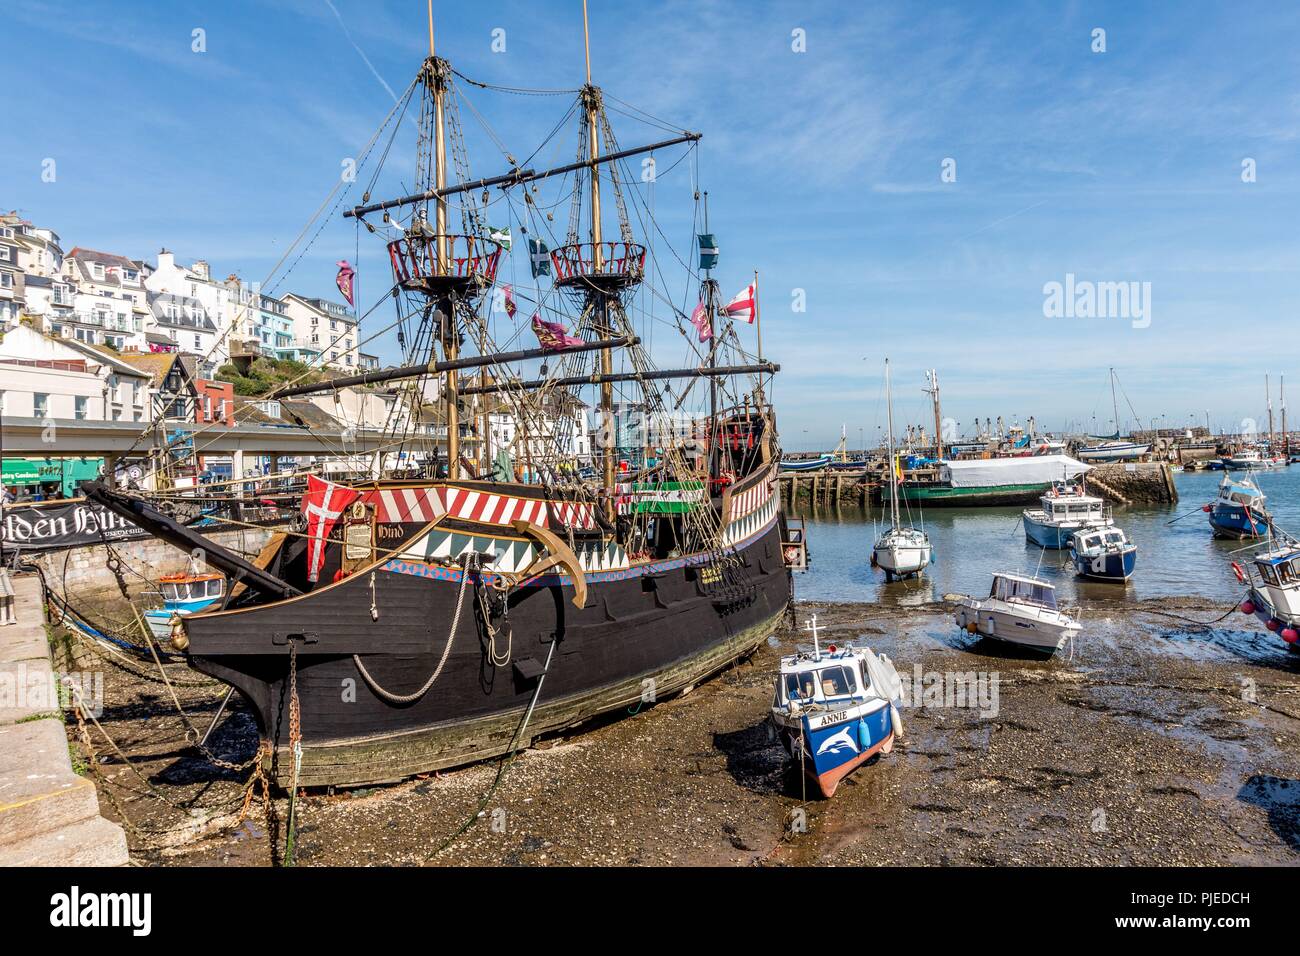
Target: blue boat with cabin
(1238, 511)
(1064, 510)
(1103, 554)
(183, 594)
(836, 709)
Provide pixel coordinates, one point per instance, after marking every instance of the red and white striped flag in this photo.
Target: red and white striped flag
(323, 505)
(745, 305)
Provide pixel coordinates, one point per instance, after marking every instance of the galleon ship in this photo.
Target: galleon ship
(430, 620)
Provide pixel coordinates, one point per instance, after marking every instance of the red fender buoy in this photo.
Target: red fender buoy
(1207, 509)
(1247, 607)
(1273, 624)
(1289, 634)
(1237, 570)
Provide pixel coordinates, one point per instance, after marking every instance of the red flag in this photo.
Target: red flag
(552, 335)
(700, 319)
(344, 280)
(323, 505)
(510, 301)
(744, 306)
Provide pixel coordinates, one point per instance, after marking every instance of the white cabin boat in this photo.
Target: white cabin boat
(1064, 510)
(1019, 610)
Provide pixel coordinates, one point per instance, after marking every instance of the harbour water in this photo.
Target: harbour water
(1182, 558)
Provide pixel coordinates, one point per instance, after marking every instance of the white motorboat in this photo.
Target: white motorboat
(902, 550)
(1019, 610)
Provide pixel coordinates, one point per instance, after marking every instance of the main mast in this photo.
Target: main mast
(889, 420)
(600, 305)
(435, 77)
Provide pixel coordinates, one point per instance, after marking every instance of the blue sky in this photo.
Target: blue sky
(823, 169)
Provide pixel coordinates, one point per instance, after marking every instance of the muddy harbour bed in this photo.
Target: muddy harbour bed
(1149, 742)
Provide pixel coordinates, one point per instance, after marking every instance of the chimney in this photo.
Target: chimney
(165, 260)
(200, 268)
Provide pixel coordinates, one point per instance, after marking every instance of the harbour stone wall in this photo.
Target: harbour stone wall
(1147, 482)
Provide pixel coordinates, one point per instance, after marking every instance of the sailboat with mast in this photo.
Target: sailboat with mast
(1111, 448)
(902, 551)
(453, 615)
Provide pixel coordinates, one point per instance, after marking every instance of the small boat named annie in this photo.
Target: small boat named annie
(835, 709)
(1019, 610)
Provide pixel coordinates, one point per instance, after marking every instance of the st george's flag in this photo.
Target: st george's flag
(745, 305)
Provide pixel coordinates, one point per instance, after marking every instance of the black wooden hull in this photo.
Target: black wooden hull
(644, 633)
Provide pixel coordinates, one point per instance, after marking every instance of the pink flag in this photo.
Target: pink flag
(344, 280)
(510, 301)
(700, 319)
(553, 336)
(744, 306)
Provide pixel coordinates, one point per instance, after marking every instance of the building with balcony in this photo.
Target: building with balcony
(108, 300)
(184, 323)
(324, 333)
(260, 323)
(195, 282)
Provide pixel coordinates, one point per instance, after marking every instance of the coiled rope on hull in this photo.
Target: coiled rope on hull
(446, 651)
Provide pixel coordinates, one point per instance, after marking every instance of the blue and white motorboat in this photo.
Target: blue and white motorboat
(183, 594)
(806, 464)
(1110, 451)
(835, 709)
(1253, 459)
(1238, 511)
(1064, 510)
(1103, 554)
(1274, 581)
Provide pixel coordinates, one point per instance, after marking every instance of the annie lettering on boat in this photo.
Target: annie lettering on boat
(1084, 299)
(74, 909)
(974, 689)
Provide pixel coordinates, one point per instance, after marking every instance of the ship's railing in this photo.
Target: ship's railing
(415, 259)
(625, 259)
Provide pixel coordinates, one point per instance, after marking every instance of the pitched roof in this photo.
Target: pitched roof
(108, 258)
(308, 414)
(100, 354)
(155, 364)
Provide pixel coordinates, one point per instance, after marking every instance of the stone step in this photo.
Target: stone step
(38, 790)
(93, 842)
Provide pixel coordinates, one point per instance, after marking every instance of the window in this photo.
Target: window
(835, 681)
(40, 404)
(6, 255)
(6, 280)
(80, 407)
(333, 325)
(97, 270)
(198, 341)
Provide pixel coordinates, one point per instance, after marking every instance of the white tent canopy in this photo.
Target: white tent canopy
(1031, 470)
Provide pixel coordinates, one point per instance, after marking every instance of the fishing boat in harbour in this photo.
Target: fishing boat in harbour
(458, 613)
(1064, 510)
(1103, 554)
(1019, 610)
(1239, 509)
(806, 464)
(184, 593)
(962, 483)
(836, 709)
(902, 551)
(1273, 577)
(1252, 459)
